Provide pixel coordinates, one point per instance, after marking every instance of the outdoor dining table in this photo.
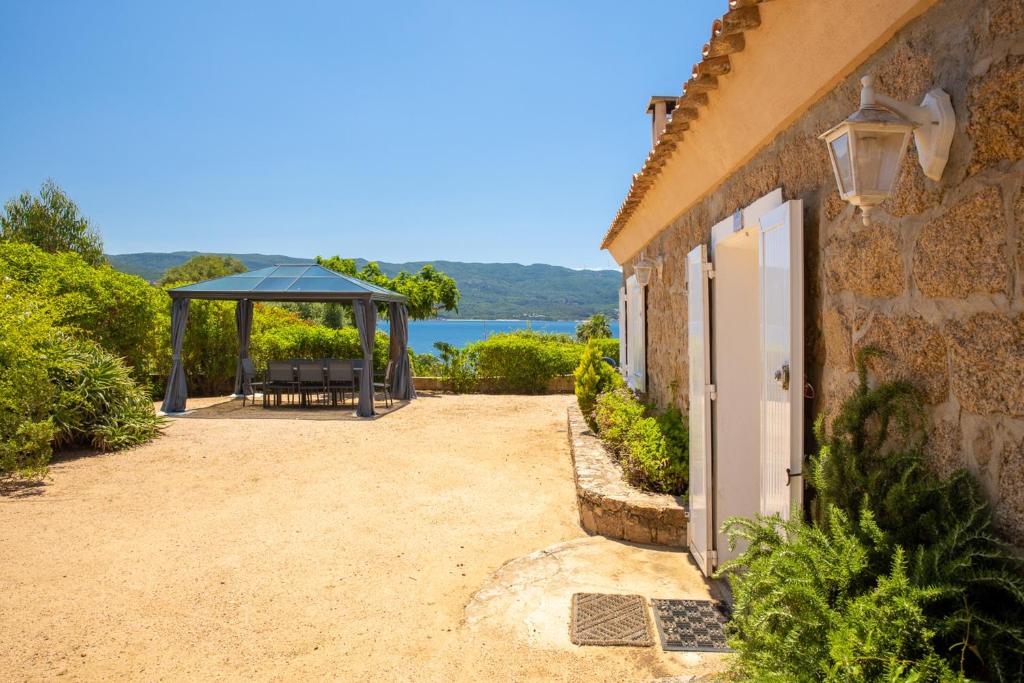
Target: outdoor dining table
(357, 371)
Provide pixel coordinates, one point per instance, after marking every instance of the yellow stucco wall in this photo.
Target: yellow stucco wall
(802, 49)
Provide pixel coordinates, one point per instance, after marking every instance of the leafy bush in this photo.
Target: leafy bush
(649, 459)
(523, 362)
(593, 376)
(124, 314)
(902, 575)
(26, 394)
(59, 389)
(98, 403)
(426, 365)
(283, 339)
(609, 348)
(458, 367)
(675, 427)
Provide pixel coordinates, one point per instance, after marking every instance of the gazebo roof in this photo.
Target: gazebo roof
(287, 282)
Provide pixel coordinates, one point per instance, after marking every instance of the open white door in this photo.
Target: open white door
(636, 343)
(700, 528)
(781, 265)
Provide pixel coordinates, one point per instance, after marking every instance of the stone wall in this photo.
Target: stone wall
(937, 281)
(609, 505)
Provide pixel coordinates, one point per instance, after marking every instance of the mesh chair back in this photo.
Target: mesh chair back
(248, 369)
(388, 371)
(340, 371)
(280, 371)
(311, 372)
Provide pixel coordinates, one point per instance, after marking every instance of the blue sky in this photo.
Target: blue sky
(473, 131)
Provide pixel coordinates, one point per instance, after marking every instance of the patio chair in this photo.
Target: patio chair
(280, 378)
(250, 382)
(310, 379)
(340, 377)
(385, 386)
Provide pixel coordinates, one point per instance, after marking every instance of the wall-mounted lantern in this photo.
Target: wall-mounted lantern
(643, 267)
(867, 149)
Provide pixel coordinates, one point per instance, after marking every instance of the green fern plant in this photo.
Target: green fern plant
(872, 462)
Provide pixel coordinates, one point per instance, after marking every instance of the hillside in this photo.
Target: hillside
(489, 290)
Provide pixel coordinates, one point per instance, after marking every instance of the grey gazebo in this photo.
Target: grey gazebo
(295, 282)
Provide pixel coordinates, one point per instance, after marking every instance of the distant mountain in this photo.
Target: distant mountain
(489, 290)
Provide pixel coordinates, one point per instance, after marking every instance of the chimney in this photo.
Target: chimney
(660, 108)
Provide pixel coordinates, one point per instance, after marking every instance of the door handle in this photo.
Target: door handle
(782, 377)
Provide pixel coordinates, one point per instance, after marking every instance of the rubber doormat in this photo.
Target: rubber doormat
(691, 625)
(605, 619)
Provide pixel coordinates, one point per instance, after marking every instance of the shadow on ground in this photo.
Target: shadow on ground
(232, 409)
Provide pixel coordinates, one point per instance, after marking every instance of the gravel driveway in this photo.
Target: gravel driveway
(252, 544)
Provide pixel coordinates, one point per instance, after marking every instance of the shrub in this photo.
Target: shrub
(124, 314)
(593, 376)
(98, 404)
(648, 458)
(615, 414)
(609, 348)
(888, 531)
(426, 365)
(26, 394)
(284, 338)
(524, 362)
(59, 389)
(808, 607)
(873, 461)
(675, 428)
(458, 367)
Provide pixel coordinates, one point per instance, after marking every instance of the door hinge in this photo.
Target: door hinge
(709, 271)
(712, 391)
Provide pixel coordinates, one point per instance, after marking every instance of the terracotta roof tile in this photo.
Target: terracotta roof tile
(726, 38)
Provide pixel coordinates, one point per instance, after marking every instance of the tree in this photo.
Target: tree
(597, 327)
(428, 291)
(203, 267)
(51, 222)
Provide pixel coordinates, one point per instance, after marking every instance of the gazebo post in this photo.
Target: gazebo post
(177, 390)
(243, 323)
(401, 382)
(366, 322)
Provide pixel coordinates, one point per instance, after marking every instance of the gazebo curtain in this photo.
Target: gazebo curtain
(243, 321)
(401, 382)
(177, 390)
(366, 323)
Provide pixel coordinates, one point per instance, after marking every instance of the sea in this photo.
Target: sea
(459, 333)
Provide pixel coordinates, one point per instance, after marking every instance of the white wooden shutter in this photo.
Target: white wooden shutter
(636, 343)
(700, 527)
(622, 329)
(782, 358)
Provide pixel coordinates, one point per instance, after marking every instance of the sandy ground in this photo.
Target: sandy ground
(285, 545)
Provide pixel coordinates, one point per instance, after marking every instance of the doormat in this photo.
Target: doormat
(604, 619)
(691, 625)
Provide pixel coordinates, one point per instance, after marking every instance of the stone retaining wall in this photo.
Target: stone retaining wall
(609, 506)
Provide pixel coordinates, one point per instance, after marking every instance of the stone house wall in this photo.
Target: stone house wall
(937, 280)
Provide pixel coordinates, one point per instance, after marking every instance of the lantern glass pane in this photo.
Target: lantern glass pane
(844, 167)
(878, 157)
